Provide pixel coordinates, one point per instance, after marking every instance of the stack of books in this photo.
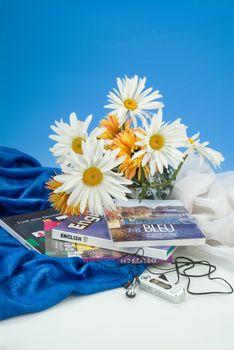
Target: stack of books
(136, 232)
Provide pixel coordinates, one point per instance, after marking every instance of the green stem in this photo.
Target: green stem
(145, 186)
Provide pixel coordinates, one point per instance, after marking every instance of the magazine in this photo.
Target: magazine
(34, 231)
(93, 230)
(29, 229)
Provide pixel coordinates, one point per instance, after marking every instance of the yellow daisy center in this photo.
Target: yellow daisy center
(92, 176)
(77, 145)
(157, 141)
(191, 141)
(130, 104)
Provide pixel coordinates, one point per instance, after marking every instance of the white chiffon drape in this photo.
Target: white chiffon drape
(209, 197)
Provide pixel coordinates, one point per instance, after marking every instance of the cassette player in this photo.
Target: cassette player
(161, 287)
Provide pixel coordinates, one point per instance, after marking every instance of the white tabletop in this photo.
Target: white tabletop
(109, 320)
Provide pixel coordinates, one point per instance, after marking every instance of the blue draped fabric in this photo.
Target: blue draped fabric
(30, 281)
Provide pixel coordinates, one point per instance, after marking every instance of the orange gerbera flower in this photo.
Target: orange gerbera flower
(125, 141)
(111, 124)
(112, 127)
(59, 200)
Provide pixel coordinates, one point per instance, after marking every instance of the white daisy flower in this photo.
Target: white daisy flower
(132, 100)
(205, 153)
(160, 142)
(90, 181)
(70, 136)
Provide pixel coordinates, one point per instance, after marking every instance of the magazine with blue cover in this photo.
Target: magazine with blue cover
(93, 230)
(152, 222)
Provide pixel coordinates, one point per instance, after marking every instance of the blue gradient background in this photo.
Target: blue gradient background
(63, 56)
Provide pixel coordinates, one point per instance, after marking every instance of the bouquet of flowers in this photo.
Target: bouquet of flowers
(133, 153)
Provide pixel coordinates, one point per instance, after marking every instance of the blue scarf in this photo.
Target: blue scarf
(30, 281)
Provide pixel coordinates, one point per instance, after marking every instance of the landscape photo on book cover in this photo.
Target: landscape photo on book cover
(151, 221)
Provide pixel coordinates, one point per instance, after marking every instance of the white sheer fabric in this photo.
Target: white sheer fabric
(209, 197)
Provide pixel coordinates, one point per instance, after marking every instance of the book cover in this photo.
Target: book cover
(57, 248)
(152, 222)
(29, 229)
(92, 230)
